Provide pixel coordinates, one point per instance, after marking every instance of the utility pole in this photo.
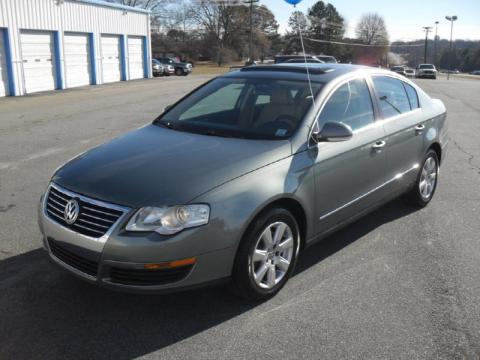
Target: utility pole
(435, 44)
(250, 45)
(427, 30)
(451, 19)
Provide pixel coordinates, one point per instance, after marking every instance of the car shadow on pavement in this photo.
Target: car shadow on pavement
(46, 313)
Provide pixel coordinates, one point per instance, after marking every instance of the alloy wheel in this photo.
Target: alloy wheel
(428, 178)
(272, 255)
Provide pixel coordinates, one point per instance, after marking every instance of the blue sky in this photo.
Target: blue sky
(404, 18)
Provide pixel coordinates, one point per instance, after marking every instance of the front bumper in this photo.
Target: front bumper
(117, 260)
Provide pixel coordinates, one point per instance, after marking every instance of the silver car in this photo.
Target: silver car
(234, 181)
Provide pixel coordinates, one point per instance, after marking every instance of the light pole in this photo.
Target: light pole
(451, 19)
(435, 44)
(427, 30)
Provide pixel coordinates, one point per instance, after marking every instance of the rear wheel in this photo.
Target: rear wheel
(178, 71)
(422, 193)
(266, 256)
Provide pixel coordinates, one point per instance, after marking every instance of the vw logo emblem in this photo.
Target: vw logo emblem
(72, 209)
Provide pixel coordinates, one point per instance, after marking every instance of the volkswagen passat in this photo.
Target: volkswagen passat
(240, 176)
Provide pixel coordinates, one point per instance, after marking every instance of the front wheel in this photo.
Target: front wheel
(266, 256)
(426, 184)
(178, 72)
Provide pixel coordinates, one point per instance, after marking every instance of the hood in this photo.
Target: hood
(155, 166)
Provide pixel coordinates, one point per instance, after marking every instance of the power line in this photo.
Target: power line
(362, 45)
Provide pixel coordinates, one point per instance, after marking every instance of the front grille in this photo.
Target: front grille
(81, 263)
(148, 277)
(94, 220)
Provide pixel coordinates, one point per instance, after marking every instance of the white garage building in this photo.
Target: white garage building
(59, 44)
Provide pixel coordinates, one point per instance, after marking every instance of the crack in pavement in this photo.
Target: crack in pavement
(471, 157)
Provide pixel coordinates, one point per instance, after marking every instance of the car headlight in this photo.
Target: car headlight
(169, 220)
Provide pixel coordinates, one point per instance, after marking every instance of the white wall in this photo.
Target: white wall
(71, 16)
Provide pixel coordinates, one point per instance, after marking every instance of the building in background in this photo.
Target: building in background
(59, 44)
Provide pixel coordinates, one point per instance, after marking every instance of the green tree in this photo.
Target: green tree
(325, 23)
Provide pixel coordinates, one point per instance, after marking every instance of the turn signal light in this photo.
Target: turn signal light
(171, 264)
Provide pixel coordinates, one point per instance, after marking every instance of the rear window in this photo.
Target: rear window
(391, 95)
(412, 96)
(426, 67)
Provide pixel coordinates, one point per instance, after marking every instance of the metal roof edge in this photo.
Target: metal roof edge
(112, 5)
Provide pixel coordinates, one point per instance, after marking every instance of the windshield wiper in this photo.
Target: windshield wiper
(211, 132)
(165, 124)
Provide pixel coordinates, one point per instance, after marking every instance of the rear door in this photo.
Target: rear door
(349, 174)
(405, 128)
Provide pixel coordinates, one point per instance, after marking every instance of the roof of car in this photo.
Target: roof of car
(297, 71)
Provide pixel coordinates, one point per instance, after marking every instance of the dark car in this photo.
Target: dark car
(180, 67)
(327, 59)
(285, 58)
(302, 61)
(236, 179)
(399, 70)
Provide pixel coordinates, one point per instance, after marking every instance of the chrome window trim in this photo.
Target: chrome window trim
(103, 239)
(396, 177)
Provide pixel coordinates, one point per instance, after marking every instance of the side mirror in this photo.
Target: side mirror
(332, 132)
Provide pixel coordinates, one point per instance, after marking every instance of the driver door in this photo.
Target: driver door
(349, 174)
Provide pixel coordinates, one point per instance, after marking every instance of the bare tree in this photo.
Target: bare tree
(372, 30)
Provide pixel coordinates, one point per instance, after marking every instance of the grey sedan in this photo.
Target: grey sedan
(238, 178)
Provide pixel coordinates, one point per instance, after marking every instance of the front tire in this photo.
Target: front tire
(266, 256)
(426, 184)
(178, 71)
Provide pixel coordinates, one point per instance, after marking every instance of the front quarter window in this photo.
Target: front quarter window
(350, 104)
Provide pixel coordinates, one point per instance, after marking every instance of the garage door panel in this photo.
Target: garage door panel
(77, 59)
(111, 66)
(37, 59)
(135, 57)
(3, 67)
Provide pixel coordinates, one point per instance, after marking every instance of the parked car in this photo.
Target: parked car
(233, 181)
(158, 68)
(426, 71)
(409, 72)
(284, 58)
(399, 70)
(179, 67)
(327, 59)
(302, 60)
(169, 69)
(476, 72)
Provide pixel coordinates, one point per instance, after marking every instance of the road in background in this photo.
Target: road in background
(397, 284)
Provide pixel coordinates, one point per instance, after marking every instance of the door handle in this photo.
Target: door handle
(419, 129)
(379, 145)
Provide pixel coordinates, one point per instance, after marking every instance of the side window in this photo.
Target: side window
(392, 96)
(412, 96)
(350, 104)
(224, 99)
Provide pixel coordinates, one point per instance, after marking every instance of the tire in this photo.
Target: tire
(416, 196)
(260, 288)
(179, 71)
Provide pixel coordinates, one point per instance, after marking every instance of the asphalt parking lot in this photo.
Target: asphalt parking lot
(398, 284)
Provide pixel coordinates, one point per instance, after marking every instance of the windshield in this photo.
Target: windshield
(426, 66)
(243, 108)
